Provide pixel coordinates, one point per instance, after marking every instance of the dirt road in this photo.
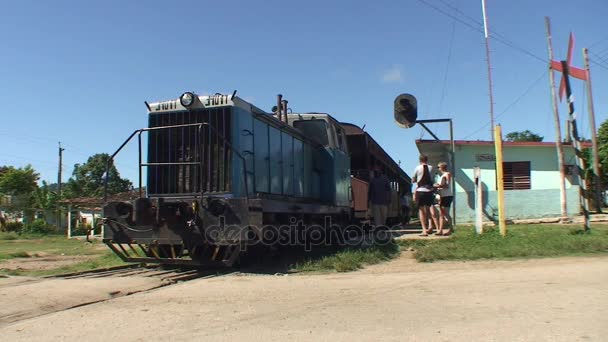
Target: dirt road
(562, 299)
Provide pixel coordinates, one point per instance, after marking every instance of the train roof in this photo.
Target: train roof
(375, 149)
(204, 101)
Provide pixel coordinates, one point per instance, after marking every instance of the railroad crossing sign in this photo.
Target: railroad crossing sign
(573, 71)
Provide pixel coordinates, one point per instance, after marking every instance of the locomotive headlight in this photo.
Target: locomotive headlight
(187, 99)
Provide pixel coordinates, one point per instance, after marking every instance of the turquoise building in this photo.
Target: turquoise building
(531, 177)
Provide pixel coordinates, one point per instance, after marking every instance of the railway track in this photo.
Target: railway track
(168, 275)
(52, 294)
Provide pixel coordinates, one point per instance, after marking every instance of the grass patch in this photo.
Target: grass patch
(21, 254)
(522, 241)
(349, 259)
(8, 236)
(31, 246)
(108, 259)
(48, 245)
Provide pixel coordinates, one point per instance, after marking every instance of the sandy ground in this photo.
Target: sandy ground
(563, 299)
(26, 297)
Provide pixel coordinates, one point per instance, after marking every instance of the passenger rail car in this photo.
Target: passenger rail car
(220, 173)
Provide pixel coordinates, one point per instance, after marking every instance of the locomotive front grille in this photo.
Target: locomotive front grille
(206, 150)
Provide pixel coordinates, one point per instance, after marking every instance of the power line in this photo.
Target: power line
(498, 37)
(447, 68)
(597, 42)
(532, 85)
(600, 58)
(598, 64)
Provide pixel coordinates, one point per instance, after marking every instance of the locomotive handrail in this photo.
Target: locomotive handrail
(138, 132)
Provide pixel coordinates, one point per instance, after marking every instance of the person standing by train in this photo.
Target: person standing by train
(380, 196)
(445, 198)
(424, 192)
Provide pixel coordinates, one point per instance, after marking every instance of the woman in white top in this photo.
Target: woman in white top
(445, 192)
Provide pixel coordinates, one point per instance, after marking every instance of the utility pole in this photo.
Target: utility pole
(596, 157)
(576, 142)
(59, 183)
(59, 171)
(558, 131)
(485, 32)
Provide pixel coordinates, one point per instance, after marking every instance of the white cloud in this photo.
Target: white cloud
(392, 75)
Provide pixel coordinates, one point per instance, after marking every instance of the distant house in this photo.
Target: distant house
(83, 212)
(531, 177)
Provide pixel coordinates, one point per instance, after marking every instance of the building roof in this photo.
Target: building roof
(96, 203)
(491, 143)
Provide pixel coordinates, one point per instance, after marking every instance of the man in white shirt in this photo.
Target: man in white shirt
(424, 192)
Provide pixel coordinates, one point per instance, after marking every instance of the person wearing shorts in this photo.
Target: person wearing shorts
(445, 198)
(423, 195)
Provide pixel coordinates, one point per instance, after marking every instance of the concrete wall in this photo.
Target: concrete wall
(542, 200)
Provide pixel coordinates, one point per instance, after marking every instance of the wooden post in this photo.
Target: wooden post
(576, 143)
(596, 156)
(69, 221)
(502, 224)
(500, 181)
(558, 131)
(478, 201)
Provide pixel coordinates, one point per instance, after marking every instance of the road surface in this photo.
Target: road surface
(561, 299)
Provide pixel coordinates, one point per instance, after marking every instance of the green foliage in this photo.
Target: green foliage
(12, 227)
(39, 226)
(82, 230)
(44, 198)
(602, 143)
(523, 136)
(20, 184)
(521, 241)
(18, 181)
(350, 259)
(88, 179)
(8, 236)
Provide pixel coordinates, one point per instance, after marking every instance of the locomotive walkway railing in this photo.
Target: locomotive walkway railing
(194, 163)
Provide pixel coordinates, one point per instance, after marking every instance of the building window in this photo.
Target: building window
(516, 175)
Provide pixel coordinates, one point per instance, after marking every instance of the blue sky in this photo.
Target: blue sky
(79, 71)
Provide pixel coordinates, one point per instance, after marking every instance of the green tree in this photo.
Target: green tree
(88, 179)
(602, 146)
(45, 198)
(20, 184)
(523, 136)
(18, 181)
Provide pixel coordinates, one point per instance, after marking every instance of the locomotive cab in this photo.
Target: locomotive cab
(335, 160)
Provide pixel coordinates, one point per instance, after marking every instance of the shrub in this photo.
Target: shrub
(13, 227)
(82, 230)
(39, 226)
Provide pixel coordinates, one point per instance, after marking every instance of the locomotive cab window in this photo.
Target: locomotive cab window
(341, 137)
(314, 129)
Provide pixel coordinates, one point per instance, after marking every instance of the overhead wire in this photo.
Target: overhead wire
(519, 98)
(447, 67)
(497, 36)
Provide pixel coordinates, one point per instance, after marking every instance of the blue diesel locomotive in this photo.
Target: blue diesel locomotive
(222, 174)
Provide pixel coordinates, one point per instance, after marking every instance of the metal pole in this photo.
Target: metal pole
(596, 157)
(580, 162)
(453, 182)
(502, 224)
(485, 31)
(141, 191)
(558, 131)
